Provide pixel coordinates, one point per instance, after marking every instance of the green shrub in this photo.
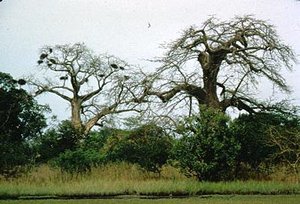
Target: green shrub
(56, 141)
(206, 149)
(78, 161)
(65, 148)
(97, 139)
(148, 146)
(251, 131)
(77, 158)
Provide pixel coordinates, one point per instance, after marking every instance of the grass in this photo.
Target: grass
(125, 179)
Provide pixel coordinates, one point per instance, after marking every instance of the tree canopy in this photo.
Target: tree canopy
(221, 63)
(21, 120)
(95, 86)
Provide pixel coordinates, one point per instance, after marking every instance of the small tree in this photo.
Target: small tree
(206, 149)
(21, 121)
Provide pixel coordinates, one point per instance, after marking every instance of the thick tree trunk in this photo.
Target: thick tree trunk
(76, 118)
(210, 87)
(210, 68)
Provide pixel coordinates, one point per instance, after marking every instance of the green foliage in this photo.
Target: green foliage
(97, 139)
(21, 121)
(251, 133)
(249, 130)
(206, 149)
(148, 146)
(69, 154)
(57, 140)
(78, 161)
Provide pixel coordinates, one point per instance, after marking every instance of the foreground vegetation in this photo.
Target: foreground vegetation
(126, 179)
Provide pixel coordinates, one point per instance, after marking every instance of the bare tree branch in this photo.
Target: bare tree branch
(94, 85)
(238, 52)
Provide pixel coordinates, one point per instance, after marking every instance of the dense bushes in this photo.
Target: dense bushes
(78, 161)
(69, 150)
(207, 146)
(56, 141)
(288, 143)
(250, 132)
(148, 146)
(206, 149)
(257, 144)
(83, 156)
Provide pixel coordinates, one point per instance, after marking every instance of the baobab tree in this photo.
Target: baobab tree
(95, 86)
(221, 64)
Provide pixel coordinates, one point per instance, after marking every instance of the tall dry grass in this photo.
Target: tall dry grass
(127, 179)
(44, 174)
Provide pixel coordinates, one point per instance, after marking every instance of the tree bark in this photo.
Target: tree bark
(76, 118)
(210, 64)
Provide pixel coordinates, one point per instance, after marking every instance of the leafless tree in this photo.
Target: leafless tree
(221, 64)
(95, 86)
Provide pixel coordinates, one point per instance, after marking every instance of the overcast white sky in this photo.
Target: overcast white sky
(120, 27)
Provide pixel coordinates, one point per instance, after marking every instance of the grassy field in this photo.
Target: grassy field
(290, 199)
(127, 179)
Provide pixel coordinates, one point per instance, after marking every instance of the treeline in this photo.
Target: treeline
(210, 146)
